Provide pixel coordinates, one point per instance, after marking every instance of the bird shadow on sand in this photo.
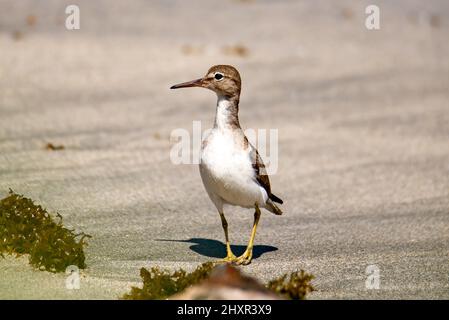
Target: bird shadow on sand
(217, 249)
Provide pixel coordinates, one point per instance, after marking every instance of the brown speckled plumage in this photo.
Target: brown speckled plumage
(231, 168)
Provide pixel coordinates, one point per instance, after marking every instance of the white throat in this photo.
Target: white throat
(226, 113)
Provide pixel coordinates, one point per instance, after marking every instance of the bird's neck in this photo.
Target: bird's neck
(227, 114)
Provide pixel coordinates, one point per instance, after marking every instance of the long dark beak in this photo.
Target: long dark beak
(193, 83)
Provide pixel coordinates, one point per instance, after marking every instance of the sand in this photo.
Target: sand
(362, 119)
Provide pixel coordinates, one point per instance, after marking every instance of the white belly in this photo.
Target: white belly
(227, 172)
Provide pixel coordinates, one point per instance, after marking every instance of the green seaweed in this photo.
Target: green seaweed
(160, 284)
(294, 286)
(27, 228)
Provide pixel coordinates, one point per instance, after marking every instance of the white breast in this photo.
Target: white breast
(227, 172)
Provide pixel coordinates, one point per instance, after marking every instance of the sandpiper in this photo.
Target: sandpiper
(231, 168)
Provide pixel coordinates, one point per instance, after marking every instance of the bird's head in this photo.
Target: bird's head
(224, 80)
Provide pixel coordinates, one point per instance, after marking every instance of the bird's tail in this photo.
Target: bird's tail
(273, 207)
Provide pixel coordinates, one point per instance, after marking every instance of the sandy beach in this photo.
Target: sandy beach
(362, 118)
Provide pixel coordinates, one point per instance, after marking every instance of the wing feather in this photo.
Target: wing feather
(261, 173)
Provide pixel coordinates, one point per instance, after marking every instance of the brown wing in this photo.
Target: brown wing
(261, 173)
(259, 168)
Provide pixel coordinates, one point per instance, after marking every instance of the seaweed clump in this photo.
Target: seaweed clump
(294, 286)
(27, 228)
(160, 284)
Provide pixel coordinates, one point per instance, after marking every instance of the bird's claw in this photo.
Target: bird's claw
(245, 258)
(230, 258)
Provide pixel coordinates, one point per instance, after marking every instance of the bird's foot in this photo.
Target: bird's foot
(230, 258)
(245, 258)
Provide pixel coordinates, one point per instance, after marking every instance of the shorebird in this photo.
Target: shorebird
(231, 169)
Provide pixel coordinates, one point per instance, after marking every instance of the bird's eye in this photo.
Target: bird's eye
(218, 76)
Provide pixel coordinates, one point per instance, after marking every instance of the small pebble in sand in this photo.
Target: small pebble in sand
(347, 13)
(17, 35)
(237, 50)
(31, 20)
(52, 147)
(435, 21)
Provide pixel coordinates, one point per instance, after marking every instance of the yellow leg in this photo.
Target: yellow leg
(230, 257)
(247, 256)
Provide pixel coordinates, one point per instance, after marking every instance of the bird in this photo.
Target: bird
(231, 168)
